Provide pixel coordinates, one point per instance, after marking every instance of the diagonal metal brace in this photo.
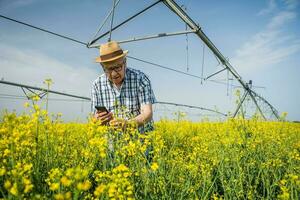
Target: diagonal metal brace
(122, 23)
(240, 103)
(214, 74)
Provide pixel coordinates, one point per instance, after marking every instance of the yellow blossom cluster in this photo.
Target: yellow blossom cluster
(68, 184)
(115, 183)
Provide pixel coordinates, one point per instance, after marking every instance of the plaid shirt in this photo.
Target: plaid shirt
(126, 102)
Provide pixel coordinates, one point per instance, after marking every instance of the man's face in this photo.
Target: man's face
(115, 70)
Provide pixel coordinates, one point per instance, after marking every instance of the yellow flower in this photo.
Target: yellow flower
(121, 168)
(6, 152)
(26, 181)
(99, 190)
(65, 181)
(112, 190)
(59, 196)
(68, 195)
(26, 104)
(36, 98)
(14, 172)
(2, 171)
(84, 186)
(14, 189)
(54, 186)
(69, 172)
(27, 167)
(28, 188)
(126, 174)
(7, 184)
(154, 166)
(102, 154)
(48, 81)
(28, 185)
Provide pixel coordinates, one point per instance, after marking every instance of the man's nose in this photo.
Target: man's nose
(114, 73)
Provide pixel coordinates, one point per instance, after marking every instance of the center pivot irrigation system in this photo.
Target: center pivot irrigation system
(263, 107)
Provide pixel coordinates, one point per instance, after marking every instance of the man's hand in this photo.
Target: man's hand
(145, 116)
(104, 117)
(118, 123)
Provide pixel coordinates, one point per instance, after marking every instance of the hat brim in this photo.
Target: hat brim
(99, 60)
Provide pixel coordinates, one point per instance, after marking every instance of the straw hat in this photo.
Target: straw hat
(110, 51)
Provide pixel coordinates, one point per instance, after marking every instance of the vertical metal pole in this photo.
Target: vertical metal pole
(187, 49)
(227, 92)
(203, 53)
(112, 20)
(241, 102)
(187, 43)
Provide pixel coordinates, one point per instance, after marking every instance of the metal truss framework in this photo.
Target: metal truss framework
(194, 28)
(260, 103)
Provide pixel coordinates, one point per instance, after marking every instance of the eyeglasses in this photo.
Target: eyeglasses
(116, 68)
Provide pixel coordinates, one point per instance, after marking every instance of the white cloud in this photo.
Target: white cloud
(291, 4)
(281, 18)
(31, 67)
(271, 45)
(8, 4)
(269, 9)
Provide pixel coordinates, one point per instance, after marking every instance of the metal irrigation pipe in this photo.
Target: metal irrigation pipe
(189, 106)
(43, 89)
(156, 36)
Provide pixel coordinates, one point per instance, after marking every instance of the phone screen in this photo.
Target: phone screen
(101, 108)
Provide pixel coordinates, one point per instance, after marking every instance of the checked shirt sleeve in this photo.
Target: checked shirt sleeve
(145, 94)
(94, 97)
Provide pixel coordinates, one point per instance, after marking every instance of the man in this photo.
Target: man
(126, 93)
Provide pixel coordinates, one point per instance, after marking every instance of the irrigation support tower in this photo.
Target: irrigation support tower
(195, 28)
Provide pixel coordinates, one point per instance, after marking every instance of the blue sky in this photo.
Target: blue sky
(260, 38)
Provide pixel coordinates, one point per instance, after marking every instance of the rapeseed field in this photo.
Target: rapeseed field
(43, 158)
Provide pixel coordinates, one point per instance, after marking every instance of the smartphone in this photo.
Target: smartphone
(101, 108)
